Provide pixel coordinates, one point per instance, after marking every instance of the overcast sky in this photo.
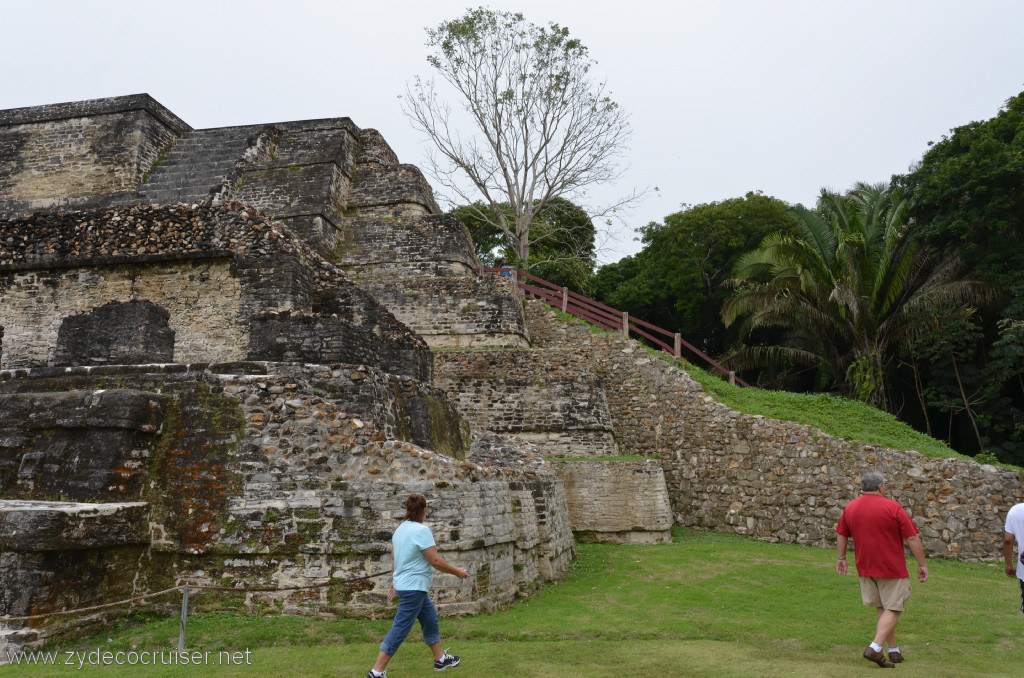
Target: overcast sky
(725, 96)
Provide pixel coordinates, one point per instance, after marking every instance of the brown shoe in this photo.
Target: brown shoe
(879, 658)
(895, 657)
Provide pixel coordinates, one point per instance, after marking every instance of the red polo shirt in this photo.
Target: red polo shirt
(878, 526)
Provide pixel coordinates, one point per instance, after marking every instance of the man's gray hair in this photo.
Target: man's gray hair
(871, 481)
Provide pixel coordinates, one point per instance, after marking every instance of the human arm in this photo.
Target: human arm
(917, 549)
(442, 565)
(842, 542)
(1011, 567)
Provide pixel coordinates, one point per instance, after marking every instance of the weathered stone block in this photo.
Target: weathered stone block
(64, 526)
(618, 502)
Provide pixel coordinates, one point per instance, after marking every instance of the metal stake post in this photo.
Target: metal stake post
(184, 618)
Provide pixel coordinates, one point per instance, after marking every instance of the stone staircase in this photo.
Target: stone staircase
(197, 164)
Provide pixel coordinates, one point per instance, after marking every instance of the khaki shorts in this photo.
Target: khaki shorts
(889, 594)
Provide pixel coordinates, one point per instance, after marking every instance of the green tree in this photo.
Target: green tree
(563, 250)
(1003, 419)
(841, 292)
(946, 341)
(675, 281)
(967, 195)
(541, 127)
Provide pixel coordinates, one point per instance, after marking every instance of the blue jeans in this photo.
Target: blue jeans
(412, 605)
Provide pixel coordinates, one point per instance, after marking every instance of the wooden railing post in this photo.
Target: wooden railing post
(679, 346)
(625, 324)
(732, 377)
(565, 300)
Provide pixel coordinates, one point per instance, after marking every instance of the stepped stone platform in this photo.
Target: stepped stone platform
(176, 339)
(774, 480)
(550, 398)
(198, 165)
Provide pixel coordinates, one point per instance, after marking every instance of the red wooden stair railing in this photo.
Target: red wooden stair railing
(606, 317)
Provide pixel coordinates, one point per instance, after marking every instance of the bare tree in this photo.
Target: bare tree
(542, 128)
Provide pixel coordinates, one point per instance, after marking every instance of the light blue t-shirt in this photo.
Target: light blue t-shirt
(412, 571)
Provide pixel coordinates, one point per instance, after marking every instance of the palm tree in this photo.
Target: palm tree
(841, 293)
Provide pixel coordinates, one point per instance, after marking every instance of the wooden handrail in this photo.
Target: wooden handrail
(605, 317)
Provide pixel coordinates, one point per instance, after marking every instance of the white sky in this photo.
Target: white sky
(725, 96)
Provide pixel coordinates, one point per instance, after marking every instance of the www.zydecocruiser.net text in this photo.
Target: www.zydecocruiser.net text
(79, 659)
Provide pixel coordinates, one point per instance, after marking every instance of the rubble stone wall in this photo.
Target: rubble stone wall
(776, 480)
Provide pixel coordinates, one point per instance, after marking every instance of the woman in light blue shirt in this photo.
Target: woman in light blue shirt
(416, 558)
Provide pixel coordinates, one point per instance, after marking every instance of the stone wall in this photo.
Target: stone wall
(384, 249)
(64, 555)
(201, 297)
(324, 339)
(620, 502)
(300, 173)
(381, 187)
(257, 477)
(119, 333)
(775, 480)
(455, 312)
(64, 154)
(216, 270)
(550, 398)
(79, 445)
(545, 396)
(286, 462)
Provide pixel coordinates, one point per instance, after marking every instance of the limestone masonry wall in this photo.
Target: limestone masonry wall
(381, 187)
(44, 546)
(262, 479)
(383, 249)
(550, 398)
(456, 312)
(621, 502)
(186, 356)
(300, 173)
(545, 396)
(63, 154)
(203, 300)
(217, 270)
(775, 480)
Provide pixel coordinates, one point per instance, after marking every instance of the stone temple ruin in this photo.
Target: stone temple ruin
(227, 355)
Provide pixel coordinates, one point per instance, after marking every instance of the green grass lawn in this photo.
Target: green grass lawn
(705, 605)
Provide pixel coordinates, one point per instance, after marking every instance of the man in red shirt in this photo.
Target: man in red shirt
(878, 527)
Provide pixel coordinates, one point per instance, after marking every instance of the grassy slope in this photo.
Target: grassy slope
(706, 605)
(837, 417)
